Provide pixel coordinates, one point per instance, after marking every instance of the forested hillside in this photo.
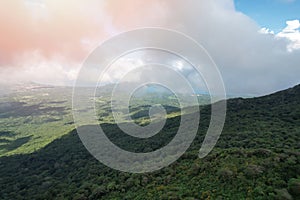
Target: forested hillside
(256, 157)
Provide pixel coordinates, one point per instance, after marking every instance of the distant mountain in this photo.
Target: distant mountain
(256, 157)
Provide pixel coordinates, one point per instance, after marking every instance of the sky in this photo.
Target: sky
(271, 14)
(255, 45)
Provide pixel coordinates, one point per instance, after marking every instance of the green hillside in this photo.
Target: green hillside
(33, 115)
(256, 157)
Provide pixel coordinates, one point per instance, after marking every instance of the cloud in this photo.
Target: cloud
(249, 62)
(291, 32)
(47, 40)
(63, 34)
(266, 31)
(39, 69)
(52, 27)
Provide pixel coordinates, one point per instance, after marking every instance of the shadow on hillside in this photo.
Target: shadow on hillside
(21, 109)
(14, 144)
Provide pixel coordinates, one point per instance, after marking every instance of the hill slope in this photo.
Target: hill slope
(256, 157)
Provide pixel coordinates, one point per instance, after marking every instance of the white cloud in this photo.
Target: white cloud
(34, 67)
(291, 32)
(121, 68)
(266, 31)
(250, 62)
